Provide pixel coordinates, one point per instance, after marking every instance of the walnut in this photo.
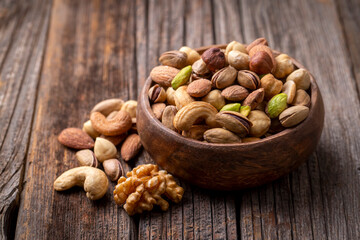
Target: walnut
(144, 188)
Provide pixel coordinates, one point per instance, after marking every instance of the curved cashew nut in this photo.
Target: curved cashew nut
(93, 180)
(187, 115)
(109, 105)
(118, 125)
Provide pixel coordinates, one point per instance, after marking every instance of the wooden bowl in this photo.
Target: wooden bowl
(230, 166)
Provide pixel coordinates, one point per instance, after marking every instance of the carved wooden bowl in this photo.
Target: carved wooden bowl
(230, 166)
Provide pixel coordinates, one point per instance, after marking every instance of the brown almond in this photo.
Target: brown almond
(75, 138)
(259, 41)
(235, 93)
(163, 75)
(131, 147)
(199, 88)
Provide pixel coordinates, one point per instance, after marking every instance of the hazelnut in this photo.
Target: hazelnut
(130, 107)
(214, 59)
(262, 60)
(284, 66)
(271, 85)
(261, 123)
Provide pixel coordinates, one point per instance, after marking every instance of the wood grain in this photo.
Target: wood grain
(58, 58)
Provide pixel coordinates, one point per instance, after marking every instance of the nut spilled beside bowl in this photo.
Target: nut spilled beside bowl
(231, 153)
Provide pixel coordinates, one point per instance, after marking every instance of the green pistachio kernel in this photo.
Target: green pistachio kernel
(245, 110)
(276, 105)
(182, 77)
(231, 107)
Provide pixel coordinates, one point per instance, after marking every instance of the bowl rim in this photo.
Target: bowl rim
(196, 143)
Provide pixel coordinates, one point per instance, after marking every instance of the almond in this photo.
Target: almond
(75, 138)
(199, 88)
(131, 147)
(163, 75)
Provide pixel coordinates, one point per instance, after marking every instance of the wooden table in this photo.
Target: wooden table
(58, 58)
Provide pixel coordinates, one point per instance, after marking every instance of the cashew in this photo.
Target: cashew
(182, 98)
(93, 180)
(187, 115)
(108, 106)
(120, 124)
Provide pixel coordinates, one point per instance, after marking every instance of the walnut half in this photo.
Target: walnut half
(144, 188)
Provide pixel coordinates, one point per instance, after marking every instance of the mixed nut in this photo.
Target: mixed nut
(112, 122)
(238, 94)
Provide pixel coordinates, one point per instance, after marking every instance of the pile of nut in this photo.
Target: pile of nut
(112, 122)
(238, 94)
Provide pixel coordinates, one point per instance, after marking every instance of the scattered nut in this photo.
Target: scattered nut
(130, 107)
(131, 147)
(86, 157)
(75, 138)
(118, 125)
(90, 130)
(107, 106)
(113, 169)
(93, 180)
(104, 149)
(116, 140)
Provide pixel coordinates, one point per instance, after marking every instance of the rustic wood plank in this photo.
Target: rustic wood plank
(89, 57)
(307, 29)
(21, 53)
(349, 21)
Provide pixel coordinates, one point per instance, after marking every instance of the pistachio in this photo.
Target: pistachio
(158, 109)
(196, 132)
(235, 46)
(174, 59)
(254, 98)
(170, 96)
(271, 85)
(104, 149)
(157, 94)
(215, 98)
(214, 59)
(238, 60)
(276, 105)
(293, 116)
(245, 110)
(220, 135)
(248, 79)
(284, 66)
(235, 93)
(181, 78)
(192, 55)
(258, 41)
(199, 88)
(234, 122)
(250, 139)
(130, 107)
(163, 75)
(289, 88)
(301, 77)
(261, 123)
(187, 115)
(224, 77)
(86, 157)
(113, 169)
(87, 127)
(231, 107)
(301, 98)
(199, 68)
(182, 98)
(168, 117)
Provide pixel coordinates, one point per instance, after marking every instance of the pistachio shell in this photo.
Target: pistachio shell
(293, 116)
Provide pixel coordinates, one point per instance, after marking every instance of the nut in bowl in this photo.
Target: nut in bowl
(248, 131)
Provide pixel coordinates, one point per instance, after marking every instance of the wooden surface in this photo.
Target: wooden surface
(60, 57)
